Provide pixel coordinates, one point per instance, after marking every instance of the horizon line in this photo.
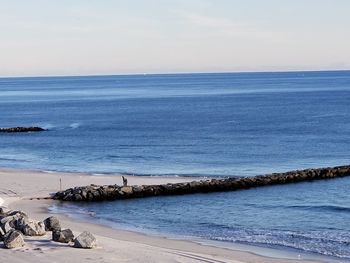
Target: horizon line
(173, 73)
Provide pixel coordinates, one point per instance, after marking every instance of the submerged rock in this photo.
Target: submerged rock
(85, 240)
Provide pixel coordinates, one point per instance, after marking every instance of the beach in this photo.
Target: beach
(20, 188)
(175, 131)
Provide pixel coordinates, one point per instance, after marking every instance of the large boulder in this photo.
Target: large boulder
(85, 240)
(63, 236)
(13, 239)
(33, 228)
(52, 224)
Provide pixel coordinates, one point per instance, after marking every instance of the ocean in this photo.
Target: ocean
(213, 125)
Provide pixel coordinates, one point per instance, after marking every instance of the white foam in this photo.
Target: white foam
(1, 201)
(49, 172)
(74, 125)
(48, 126)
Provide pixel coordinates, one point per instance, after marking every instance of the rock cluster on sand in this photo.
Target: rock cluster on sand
(15, 225)
(114, 192)
(21, 129)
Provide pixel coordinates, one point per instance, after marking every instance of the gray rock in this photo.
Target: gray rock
(127, 189)
(2, 234)
(85, 240)
(78, 197)
(52, 224)
(21, 222)
(33, 228)
(63, 236)
(7, 227)
(6, 219)
(84, 195)
(13, 218)
(18, 213)
(4, 211)
(13, 239)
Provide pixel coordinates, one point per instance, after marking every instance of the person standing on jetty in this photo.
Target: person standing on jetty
(125, 181)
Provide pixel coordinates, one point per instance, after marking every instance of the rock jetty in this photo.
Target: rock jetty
(21, 129)
(114, 192)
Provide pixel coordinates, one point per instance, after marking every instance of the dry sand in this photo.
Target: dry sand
(18, 186)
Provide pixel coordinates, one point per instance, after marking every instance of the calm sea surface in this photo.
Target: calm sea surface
(196, 125)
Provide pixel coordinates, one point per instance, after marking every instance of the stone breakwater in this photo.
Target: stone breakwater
(21, 129)
(114, 192)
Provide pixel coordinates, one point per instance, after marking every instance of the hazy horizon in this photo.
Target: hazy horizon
(173, 73)
(65, 38)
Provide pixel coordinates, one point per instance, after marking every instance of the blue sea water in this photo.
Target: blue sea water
(197, 125)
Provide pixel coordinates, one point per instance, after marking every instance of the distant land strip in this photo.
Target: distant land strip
(21, 129)
(93, 193)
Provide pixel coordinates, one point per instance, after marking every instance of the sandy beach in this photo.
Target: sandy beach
(18, 187)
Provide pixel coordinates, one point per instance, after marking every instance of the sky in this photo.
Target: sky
(93, 37)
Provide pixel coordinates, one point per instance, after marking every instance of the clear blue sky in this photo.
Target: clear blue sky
(77, 37)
